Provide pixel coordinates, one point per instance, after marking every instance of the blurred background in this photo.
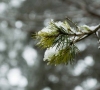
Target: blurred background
(21, 61)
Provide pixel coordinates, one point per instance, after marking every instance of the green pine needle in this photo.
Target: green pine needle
(59, 39)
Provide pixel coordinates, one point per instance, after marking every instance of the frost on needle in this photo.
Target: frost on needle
(59, 39)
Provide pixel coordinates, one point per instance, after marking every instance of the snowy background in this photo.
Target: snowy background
(21, 61)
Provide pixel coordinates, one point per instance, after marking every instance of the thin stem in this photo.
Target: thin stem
(89, 34)
(97, 36)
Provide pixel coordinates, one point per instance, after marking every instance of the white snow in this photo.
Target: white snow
(50, 52)
(46, 29)
(3, 7)
(18, 24)
(89, 61)
(15, 78)
(89, 83)
(46, 22)
(30, 55)
(98, 47)
(59, 23)
(81, 46)
(46, 88)
(53, 78)
(23, 82)
(80, 67)
(12, 54)
(78, 88)
(16, 3)
(3, 45)
(92, 28)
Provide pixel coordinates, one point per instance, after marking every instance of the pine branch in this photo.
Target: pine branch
(59, 39)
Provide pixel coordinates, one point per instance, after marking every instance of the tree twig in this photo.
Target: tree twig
(89, 34)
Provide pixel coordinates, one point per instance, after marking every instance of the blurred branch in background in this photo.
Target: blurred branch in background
(86, 6)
